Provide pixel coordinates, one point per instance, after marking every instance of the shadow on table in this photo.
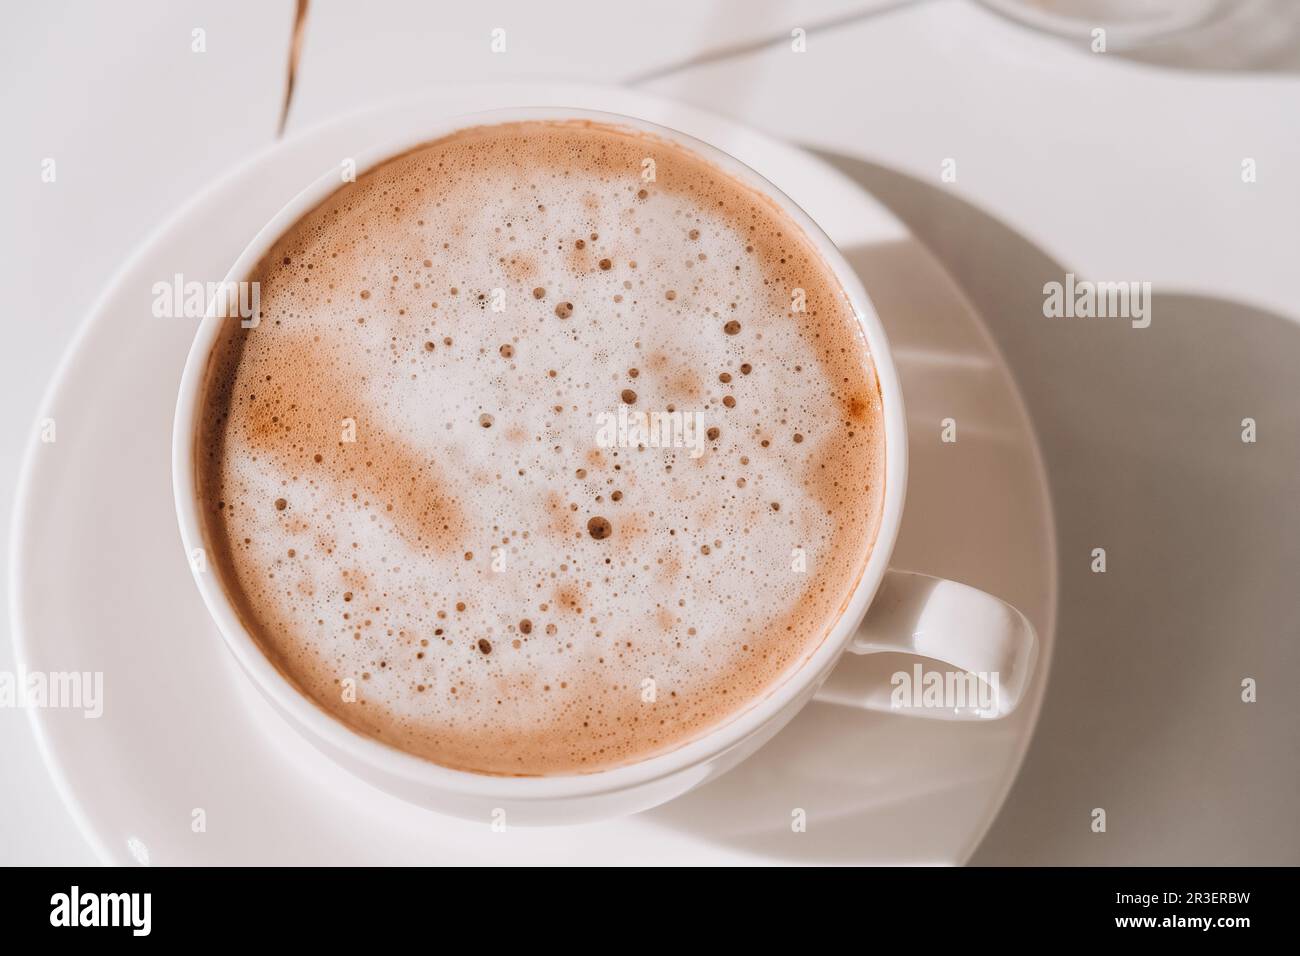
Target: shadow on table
(1141, 430)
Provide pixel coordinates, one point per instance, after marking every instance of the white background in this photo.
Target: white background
(1067, 160)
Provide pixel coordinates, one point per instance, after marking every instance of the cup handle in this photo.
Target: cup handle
(952, 623)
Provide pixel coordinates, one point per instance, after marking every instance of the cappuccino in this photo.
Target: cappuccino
(554, 446)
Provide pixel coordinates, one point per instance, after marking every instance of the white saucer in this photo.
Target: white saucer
(100, 581)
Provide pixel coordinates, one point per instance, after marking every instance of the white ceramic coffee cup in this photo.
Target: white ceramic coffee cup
(964, 629)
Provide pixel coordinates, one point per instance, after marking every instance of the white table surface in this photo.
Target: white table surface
(1067, 161)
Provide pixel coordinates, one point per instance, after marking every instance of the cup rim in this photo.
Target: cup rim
(706, 746)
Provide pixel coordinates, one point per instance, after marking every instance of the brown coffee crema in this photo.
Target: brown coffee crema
(422, 481)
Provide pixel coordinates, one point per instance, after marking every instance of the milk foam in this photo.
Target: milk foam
(402, 479)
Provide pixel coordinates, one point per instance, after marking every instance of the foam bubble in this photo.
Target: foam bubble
(405, 486)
